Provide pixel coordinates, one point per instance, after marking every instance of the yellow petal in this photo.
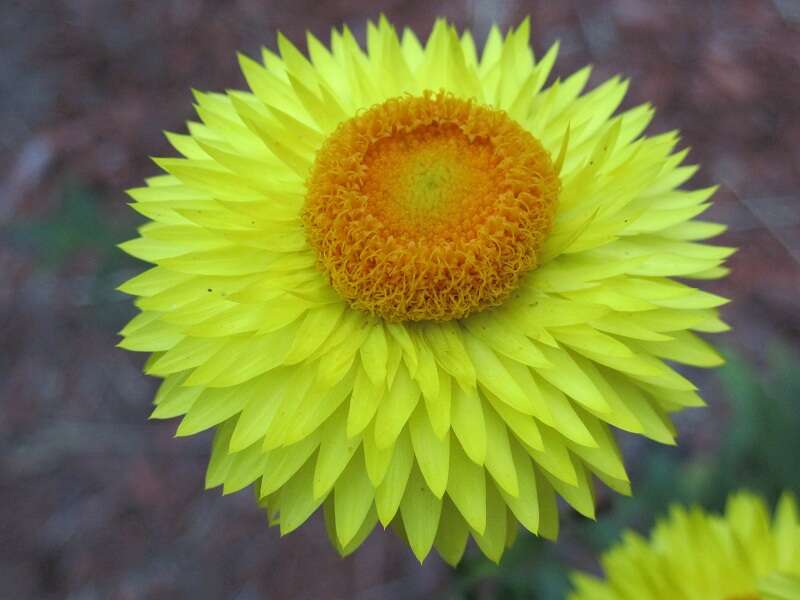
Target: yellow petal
(352, 494)
(420, 510)
(468, 423)
(570, 378)
(377, 460)
(297, 500)
(283, 463)
(493, 375)
(445, 339)
(524, 505)
(466, 487)
(432, 453)
(439, 408)
(394, 411)
(492, 539)
(335, 451)
(389, 493)
(499, 462)
(363, 402)
(451, 538)
(374, 354)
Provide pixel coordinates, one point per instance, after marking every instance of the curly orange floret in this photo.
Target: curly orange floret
(429, 207)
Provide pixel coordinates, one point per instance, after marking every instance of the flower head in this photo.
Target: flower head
(693, 555)
(416, 285)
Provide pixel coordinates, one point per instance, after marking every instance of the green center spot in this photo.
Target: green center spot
(429, 189)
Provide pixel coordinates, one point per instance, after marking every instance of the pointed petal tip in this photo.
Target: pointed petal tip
(420, 557)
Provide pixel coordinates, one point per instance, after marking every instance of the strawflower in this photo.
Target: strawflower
(694, 555)
(415, 285)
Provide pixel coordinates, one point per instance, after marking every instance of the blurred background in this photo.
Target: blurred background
(97, 502)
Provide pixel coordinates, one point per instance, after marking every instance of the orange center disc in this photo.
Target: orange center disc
(429, 207)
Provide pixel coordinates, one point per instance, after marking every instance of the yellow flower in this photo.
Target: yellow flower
(693, 555)
(415, 285)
